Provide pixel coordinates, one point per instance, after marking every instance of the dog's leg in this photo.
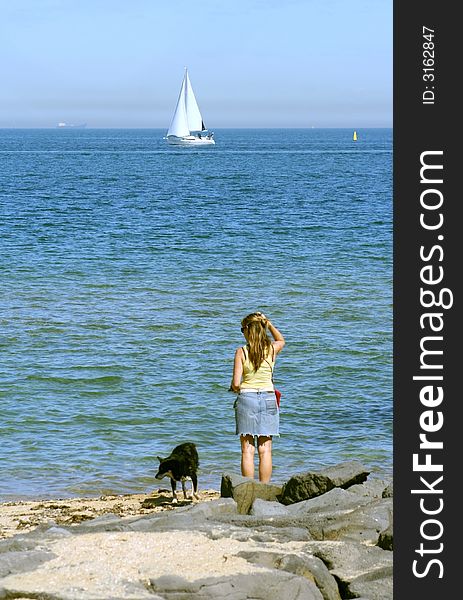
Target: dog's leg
(185, 495)
(174, 493)
(194, 485)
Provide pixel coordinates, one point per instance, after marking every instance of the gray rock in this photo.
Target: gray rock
(267, 509)
(314, 569)
(266, 585)
(18, 543)
(268, 534)
(346, 474)
(363, 524)
(252, 521)
(357, 568)
(263, 532)
(310, 484)
(379, 589)
(245, 490)
(304, 486)
(174, 583)
(195, 517)
(373, 488)
(350, 559)
(213, 508)
(191, 517)
(339, 515)
(336, 501)
(58, 532)
(307, 566)
(17, 562)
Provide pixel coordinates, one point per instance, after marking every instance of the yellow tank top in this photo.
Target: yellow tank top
(262, 378)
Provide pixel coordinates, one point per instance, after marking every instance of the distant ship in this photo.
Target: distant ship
(63, 125)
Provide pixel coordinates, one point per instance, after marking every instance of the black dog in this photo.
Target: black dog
(182, 464)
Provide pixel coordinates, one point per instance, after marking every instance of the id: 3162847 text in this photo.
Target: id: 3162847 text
(428, 60)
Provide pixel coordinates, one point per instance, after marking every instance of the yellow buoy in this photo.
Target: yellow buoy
(355, 136)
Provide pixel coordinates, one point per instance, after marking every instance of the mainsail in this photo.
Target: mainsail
(187, 117)
(179, 124)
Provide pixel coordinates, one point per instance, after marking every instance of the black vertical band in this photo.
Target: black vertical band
(427, 299)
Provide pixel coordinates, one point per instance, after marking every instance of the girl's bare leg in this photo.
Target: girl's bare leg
(247, 455)
(264, 448)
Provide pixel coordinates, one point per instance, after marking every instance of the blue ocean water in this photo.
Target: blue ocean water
(126, 267)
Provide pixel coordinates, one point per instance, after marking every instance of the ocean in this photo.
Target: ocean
(126, 268)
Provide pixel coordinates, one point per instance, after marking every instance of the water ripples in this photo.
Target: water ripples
(127, 268)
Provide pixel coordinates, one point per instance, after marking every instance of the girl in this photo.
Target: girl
(256, 411)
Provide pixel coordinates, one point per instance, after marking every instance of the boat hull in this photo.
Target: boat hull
(190, 140)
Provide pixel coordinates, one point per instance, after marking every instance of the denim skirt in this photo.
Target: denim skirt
(256, 413)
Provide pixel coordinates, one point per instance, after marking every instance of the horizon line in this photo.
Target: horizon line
(356, 127)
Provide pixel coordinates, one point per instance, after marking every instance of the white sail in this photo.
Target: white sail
(187, 123)
(179, 124)
(194, 118)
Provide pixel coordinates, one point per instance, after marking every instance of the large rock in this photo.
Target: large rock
(192, 517)
(245, 490)
(373, 488)
(336, 515)
(361, 571)
(311, 484)
(266, 585)
(307, 566)
(347, 473)
(336, 501)
(361, 525)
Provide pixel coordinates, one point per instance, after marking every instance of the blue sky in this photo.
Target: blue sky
(252, 63)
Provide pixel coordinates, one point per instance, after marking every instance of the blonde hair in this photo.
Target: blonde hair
(258, 342)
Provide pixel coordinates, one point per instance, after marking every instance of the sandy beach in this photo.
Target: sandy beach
(26, 515)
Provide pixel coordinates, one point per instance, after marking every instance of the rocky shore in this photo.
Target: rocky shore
(324, 535)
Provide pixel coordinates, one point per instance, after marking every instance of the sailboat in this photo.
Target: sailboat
(187, 126)
(354, 137)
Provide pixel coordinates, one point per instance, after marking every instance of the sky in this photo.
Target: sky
(252, 63)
